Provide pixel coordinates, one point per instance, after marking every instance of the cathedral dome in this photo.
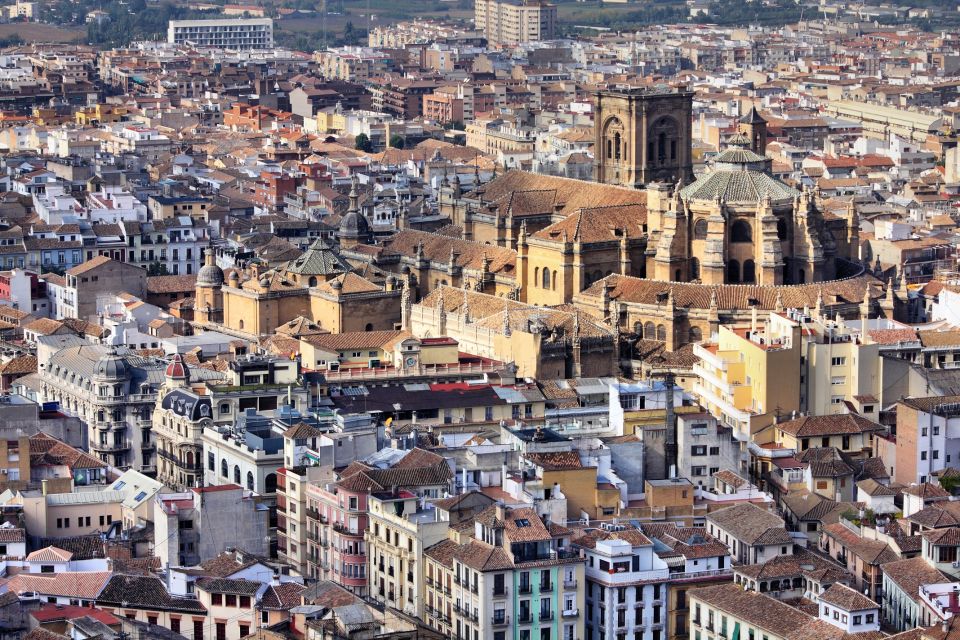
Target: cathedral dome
(739, 177)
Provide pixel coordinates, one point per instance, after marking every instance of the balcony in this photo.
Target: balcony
(313, 514)
(546, 616)
(525, 588)
(571, 613)
(501, 591)
(570, 584)
(344, 529)
(500, 621)
(109, 447)
(525, 618)
(546, 586)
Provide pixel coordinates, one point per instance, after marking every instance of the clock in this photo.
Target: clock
(410, 361)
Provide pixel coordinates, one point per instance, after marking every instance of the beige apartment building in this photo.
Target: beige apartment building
(506, 23)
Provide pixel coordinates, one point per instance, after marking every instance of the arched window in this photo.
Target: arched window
(236, 474)
(700, 229)
(661, 333)
(554, 279)
(536, 275)
(616, 145)
(781, 228)
(224, 469)
(733, 271)
(369, 327)
(250, 480)
(665, 133)
(240, 326)
(270, 483)
(313, 281)
(694, 269)
(190, 459)
(676, 275)
(609, 149)
(741, 231)
(802, 277)
(749, 271)
(638, 328)
(695, 334)
(649, 331)
(546, 278)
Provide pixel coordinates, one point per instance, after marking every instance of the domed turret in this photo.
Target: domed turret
(177, 369)
(111, 367)
(354, 227)
(210, 275)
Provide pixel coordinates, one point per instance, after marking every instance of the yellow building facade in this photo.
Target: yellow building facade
(747, 375)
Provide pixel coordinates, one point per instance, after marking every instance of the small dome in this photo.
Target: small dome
(111, 367)
(177, 369)
(210, 276)
(354, 225)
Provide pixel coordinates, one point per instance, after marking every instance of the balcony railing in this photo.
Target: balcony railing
(500, 591)
(500, 621)
(109, 447)
(313, 513)
(571, 613)
(546, 616)
(525, 588)
(570, 584)
(525, 618)
(546, 586)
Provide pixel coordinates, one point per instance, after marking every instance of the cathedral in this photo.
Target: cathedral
(549, 241)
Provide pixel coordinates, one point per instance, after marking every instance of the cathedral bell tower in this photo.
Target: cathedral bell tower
(643, 135)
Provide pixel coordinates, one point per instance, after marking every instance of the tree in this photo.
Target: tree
(362, 143)
(397, 141)
(157, 269)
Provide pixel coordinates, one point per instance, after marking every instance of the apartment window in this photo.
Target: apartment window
(923, 455)
(211, 461)
(923, 432)
(714, 451)
(216, 599)
(936, 430)
(936, 454)
(838, 361)
(698, 450)
(698, 471)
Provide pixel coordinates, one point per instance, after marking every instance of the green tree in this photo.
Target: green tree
(362, 143)
(397, 141)
(157, 269)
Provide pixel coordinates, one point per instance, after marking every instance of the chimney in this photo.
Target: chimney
(955, 600)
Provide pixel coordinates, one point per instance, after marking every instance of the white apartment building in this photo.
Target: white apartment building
(240, 33)
(626, 589)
